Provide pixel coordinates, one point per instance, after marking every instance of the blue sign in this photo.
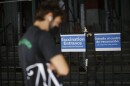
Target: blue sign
(73, 43)
(107, 42)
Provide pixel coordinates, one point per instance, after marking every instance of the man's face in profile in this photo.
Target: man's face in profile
(56, 22)
(54, 25)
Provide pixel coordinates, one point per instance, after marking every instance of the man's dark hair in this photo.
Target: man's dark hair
(48, 6)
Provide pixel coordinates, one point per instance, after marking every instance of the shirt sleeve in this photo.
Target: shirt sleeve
(47, 46)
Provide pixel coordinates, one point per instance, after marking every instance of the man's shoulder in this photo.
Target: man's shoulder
(39, 32)
(45, 35)
(31, 31)
(36, 32)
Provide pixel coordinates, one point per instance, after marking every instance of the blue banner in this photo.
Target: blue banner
(107, 42)
(73, 43)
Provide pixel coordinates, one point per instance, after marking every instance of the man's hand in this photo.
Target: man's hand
(50, 66)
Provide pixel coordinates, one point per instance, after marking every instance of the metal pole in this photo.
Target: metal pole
(70, 77)
(33, 9)
(19, 19)
(0, 65)
(82, 20)
(107, 16)
(120, 24)
(3, 2)
(82, 16)
(19, 14)
(104, 69)
(66, 8)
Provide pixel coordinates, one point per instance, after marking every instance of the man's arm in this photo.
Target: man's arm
(59, 64)
(53, 55)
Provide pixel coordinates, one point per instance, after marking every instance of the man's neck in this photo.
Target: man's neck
(43, 25)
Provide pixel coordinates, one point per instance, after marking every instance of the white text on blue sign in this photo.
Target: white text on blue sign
(107, 42)
(73, 43)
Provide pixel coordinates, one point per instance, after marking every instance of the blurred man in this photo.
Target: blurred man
(38, 53)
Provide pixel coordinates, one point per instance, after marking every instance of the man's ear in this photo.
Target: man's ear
(49, 17)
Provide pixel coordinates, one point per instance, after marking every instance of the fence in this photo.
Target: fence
(104, 68)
